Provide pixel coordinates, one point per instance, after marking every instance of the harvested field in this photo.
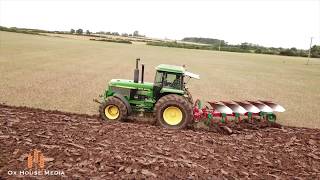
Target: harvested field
(84, 146)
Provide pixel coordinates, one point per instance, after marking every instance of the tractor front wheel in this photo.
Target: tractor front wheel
(113, 109)
(173, 112)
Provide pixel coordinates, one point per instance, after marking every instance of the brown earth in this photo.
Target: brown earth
(83, 146)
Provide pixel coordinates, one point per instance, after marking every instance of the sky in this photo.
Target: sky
(269, 23)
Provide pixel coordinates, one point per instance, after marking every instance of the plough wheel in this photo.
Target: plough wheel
(271, 117)
(173, 112)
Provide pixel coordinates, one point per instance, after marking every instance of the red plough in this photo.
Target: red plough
(226, 111)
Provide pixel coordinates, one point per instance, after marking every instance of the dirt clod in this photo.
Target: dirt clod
(148, 173)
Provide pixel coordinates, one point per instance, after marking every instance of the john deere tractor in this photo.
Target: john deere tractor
(166, 98)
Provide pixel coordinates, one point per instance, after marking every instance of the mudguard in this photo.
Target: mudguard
(125, 101)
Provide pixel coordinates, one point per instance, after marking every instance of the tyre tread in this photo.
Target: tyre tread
(174, 99)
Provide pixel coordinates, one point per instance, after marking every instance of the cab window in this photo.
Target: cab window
(159, 77)
(172, 81)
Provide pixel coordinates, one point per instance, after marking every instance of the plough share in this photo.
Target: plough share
(226, 111)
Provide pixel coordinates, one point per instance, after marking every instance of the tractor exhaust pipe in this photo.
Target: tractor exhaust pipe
(142, 73)
(136, 72)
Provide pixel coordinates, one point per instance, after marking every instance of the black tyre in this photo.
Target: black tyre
(113, 109)
(173, 112)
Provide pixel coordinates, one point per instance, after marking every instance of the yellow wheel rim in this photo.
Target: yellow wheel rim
(172, 115)
(112, 112)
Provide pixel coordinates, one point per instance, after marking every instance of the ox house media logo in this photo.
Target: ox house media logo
(35, 166)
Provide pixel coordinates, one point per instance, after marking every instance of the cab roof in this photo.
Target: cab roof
(176, 69)
(170, 68)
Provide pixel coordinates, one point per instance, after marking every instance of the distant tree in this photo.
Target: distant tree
(88, 32)
(115, 33)
(289, 52)
(284, 52)
(315, 51)
(124, 34)
(72, 31)
(245, 45)
(13, 29)
(136, 33)
(214, 42)
(302, 53)
(258, 51)
(294, 51)
(79, 31)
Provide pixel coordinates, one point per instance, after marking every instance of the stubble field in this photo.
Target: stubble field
(66, 74)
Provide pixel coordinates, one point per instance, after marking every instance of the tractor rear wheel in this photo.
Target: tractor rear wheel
(113, 109)
(173, 112)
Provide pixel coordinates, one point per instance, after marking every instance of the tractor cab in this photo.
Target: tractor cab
(170, 79)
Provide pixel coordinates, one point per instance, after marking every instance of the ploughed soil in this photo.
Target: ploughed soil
(83, 147)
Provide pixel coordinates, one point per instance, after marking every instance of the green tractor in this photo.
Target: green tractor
(167, 98)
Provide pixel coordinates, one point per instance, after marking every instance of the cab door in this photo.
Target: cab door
(158, 84)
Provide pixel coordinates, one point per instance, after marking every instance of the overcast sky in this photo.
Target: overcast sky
(270, 23)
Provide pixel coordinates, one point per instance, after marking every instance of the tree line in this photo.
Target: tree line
(217, 44)
(80, 31)
(206, 43)
(72, 31)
